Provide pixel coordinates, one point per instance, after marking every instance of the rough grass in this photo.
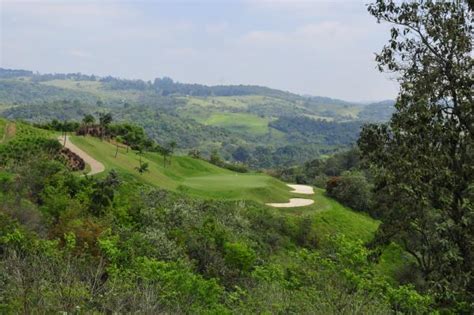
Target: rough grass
(330, 217)
(12, 129)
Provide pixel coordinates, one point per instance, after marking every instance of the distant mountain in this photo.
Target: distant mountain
(377, 112)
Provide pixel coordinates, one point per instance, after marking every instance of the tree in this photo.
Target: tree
(103, 192)
(66, 127)
(171, 147)
(351, 189)
(241, 154)
(167, 152)
(142, 168)
(422, 160)
(104, 122)
(215, 158)
(88, 120)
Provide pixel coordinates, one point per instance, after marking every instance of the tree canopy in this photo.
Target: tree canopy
(422, 159)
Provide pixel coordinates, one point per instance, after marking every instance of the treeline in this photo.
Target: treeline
(38, 77)
(166, 86)
(296, 146)
(21, 92)
(163, 86)
(307, 129)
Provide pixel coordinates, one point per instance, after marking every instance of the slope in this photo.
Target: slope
(185, 174)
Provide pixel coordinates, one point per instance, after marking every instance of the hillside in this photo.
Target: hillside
(208, 231)
(207, 118)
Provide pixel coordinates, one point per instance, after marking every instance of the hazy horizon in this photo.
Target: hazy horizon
(318, 48)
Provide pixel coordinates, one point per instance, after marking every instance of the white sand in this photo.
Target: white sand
(96, 166)
(296, 202)
(301, 189)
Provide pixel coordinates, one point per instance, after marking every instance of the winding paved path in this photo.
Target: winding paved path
(296, 202)
(96, 166)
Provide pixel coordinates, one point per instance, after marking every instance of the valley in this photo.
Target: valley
(245, 124)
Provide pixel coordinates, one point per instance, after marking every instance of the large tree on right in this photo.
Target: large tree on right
(423, 159)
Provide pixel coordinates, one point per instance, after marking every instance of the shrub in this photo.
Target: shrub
(351, 189)
(239, 255)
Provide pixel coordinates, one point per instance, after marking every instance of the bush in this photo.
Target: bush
(351, 189)
(239, 255)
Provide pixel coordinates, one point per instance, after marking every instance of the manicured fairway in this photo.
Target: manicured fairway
(196, 177)
(240, 122)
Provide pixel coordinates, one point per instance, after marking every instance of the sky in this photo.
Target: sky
(324, 48)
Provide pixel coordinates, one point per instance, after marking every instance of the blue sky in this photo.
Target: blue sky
(308, 47)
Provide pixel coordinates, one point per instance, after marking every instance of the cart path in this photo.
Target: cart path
(96, 166)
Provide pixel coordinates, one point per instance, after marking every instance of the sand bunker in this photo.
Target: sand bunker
(301, 189)
(296, 202)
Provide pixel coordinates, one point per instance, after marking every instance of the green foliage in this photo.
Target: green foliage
(22, 149)
(142, 168)
(114, 245)
(307, 130)
(239, 256)
(422, 159)
(317, 171)
(352, 190)
(276, 128)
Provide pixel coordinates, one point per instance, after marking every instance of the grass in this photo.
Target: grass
(95, 88)
(240, 122)
(9, 130)
(234, 102)
(330, 217)
(3, 127)
(193, 176)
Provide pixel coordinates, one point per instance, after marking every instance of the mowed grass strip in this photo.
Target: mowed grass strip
(240, 122)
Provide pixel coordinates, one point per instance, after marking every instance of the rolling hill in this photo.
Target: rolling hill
(207, 118)
(198, 178)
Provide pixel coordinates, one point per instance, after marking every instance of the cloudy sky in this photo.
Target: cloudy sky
(304, 46)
